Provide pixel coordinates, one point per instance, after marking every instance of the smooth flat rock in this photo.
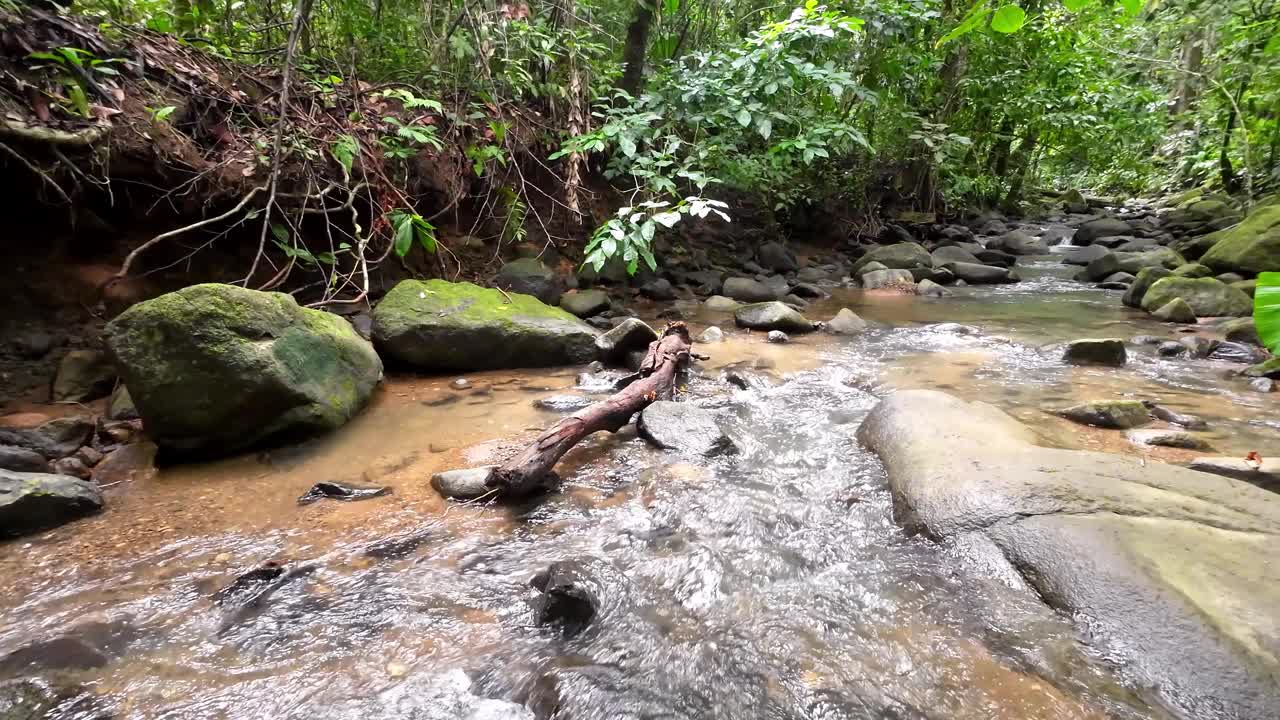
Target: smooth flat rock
(748, 290)
(900, 256)
(464, 484)
(980, 274)
(585, 303)
(630, 335)
(681, 426)
(1174, 569)
(880, 279)
(720, 303)
(1084, 255)
(1180, 439)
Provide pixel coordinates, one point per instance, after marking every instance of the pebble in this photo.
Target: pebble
(460, 384)
(777, 336)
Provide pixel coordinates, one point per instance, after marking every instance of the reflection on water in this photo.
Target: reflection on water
(767, 584)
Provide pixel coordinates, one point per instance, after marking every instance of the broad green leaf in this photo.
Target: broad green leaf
(1008, 19)
(744, 117)
(1266, 310)
(404, 235)
(974, 18)
(627, 145)
(1077, 5)
(765, 127)
(1133, 7)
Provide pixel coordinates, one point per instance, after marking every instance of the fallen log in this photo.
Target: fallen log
(666, 358)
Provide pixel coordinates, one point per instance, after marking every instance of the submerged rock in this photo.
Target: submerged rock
(1180, 439)
(1113, 414)
(846, 322)
(685, 427)
(563, 403)
(215, 369)
(1105, 351)
(1207, 297)
(1235, 352)
(1172, 568)
(569, 597)
(341, 491)
(772, 316)
(439, 325)
(32, 502)
(711, 335)
(777, 336)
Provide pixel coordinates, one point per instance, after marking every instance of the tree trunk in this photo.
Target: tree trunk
(1187, 88)
(526, 472)
(634, 51)
(998, 161)
(1021, 163)
(1230, 181)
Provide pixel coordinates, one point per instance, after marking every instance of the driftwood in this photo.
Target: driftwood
(527, 471)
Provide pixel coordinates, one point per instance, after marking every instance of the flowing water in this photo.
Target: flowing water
(771, 583)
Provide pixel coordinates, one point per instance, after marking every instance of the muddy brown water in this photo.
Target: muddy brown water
(768, 584)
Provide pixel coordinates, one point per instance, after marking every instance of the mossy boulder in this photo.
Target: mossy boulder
(215, 369)
(1142, 283)
(1207, 297)
(1250, 248)
(902, 256)
(1175, 311)
(1192, 270)
(441, 325)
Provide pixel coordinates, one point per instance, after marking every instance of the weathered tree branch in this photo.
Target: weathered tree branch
(527, 472)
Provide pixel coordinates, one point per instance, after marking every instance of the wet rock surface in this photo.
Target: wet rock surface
(1108, 351)
(684, 427)
(1125, 543)
(31, 502)
(772, 316)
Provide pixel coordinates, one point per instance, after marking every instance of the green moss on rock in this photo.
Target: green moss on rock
(1207, 297)
(440, 325)
(1249, 248)
(215, 369)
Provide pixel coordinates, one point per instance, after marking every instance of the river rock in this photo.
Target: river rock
(1250, 248)
(1268, 369)
(31, 502)
(748, 290)
(881, 279)
(778, 337)
(439, 325)
(980, 274)
(1100, 268)
(772, 316)
(1180, 439)
(870, 268)
(1159, 257)
(214, 369)
(807, 291)
(1018, 242)
(529, 276)
(83, 375)
(1242, 330)
(630, 335)
(585, 303)
(1074, 202)
(120, 406)
(71, 467)
(902, 256)
(1084, 255)
(20, 459)
(1265, 475)
(1207, 297)
(1171, 569)
(777, 257)
(1095, 351)
(1262, 385)
(1087, 233)
(1175, 311)
(658, 289)
(846, 322)
(685, 427)
(563, 403)
(1142, 282)
(1199, 346)
(953, 253)
(929, 288)
(1235, 352)
(1192, 270)
(720, 303)
(1112, 414)
(53, 439)
(711, 335)
(465, 484)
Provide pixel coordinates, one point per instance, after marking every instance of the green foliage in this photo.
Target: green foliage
(1266, 310)
(408, 226)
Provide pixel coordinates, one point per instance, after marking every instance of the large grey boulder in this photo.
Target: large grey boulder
(953, 253)
(748, 290)
(980, 274)
(1018, 242)
(585, 303)
(1173, 569)
(681, 426)
(1142, 282)
(778, 257)
(630, 335)
(902, 256)
(1095, 351)
(772, 316)
(215, 369)
(31, 502)
(439, 325)
(1087, 233)
(880, 279)
(1207, 297)
(1084, 255)
(530, 277)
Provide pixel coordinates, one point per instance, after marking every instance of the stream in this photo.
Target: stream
(770, 583)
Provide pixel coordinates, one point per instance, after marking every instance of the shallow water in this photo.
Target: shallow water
(771, 583)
